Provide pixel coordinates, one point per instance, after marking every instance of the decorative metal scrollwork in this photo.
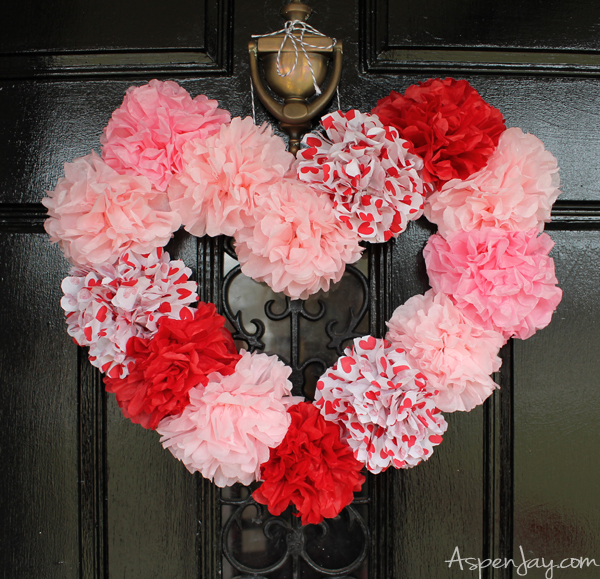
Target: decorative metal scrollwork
(287, 531)
(295, 311)
(309, 345)
(338, 339)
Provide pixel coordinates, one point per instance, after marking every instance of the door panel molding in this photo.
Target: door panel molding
(380, 54)
(498, 464)
(22, 217)
(214, 57)
(93, 492)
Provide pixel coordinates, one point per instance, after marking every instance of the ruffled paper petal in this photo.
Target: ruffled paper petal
(448, 125)
(146, 134)
(96, 215)
(229, 426)
(181, 355)
(296, 245)
(311, 469)
(501, 280)
(514, 191)
(222, 176)
(382, 404)
(375, 183)
(109, 304)
(456, 356)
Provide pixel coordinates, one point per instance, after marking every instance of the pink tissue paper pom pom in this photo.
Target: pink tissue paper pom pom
(146, 133)
(374, 181)
(95, 214)
(222, 175)
(228, 428)
(501, 280)
(456, 356)
(382, 404)
(514, 191)
(109, 304)
(296, 245)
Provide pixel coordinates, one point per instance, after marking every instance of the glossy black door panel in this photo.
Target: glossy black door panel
(511, 25)
(41, 39)
(39, 412)
(99, 26)
(556, 402)
(543, 37)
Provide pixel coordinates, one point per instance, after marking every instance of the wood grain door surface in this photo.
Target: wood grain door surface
(86, 494)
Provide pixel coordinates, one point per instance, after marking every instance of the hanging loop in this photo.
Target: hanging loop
(293, 32)
(295, 61)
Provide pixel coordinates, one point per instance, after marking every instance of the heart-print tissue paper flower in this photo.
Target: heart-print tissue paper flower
(109, 304)
(386, 413)
(374, 181)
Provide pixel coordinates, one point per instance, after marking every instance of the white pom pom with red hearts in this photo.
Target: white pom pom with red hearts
(375, 183)
(382, 405)
(108, 304)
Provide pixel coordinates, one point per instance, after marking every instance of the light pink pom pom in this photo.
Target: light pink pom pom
(107, 305)
(456, 355)
(296, 245)
(97, 214)
(146, 133)
(502, 280)
(374, 181)
(227, 430)
(514, 191)
(387, 416)
(222, 176)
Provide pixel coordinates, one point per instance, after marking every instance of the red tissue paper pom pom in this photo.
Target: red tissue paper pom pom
(178, 357)
(449, 125)
(312, 468)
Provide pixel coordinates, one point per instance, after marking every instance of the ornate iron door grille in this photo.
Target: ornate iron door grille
(309, 336)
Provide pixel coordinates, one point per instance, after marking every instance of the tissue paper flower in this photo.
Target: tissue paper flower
(448, 124)
(95, 214)
(387, 416)
(178, 357)
(311, 469)
(223, 174)
(374, 181)
(456, 356)
(146, 133)
(229, 426)
(514, 191)
(109, 304)
(501, 280)
(296, 245)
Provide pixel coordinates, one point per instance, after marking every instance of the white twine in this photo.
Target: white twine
(252, 96)
(288, 30)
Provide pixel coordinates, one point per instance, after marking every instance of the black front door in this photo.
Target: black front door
(85, 493)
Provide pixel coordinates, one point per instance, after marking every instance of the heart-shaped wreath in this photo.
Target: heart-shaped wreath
(170, 160)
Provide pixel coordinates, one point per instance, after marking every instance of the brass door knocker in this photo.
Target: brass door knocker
(294, 62)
